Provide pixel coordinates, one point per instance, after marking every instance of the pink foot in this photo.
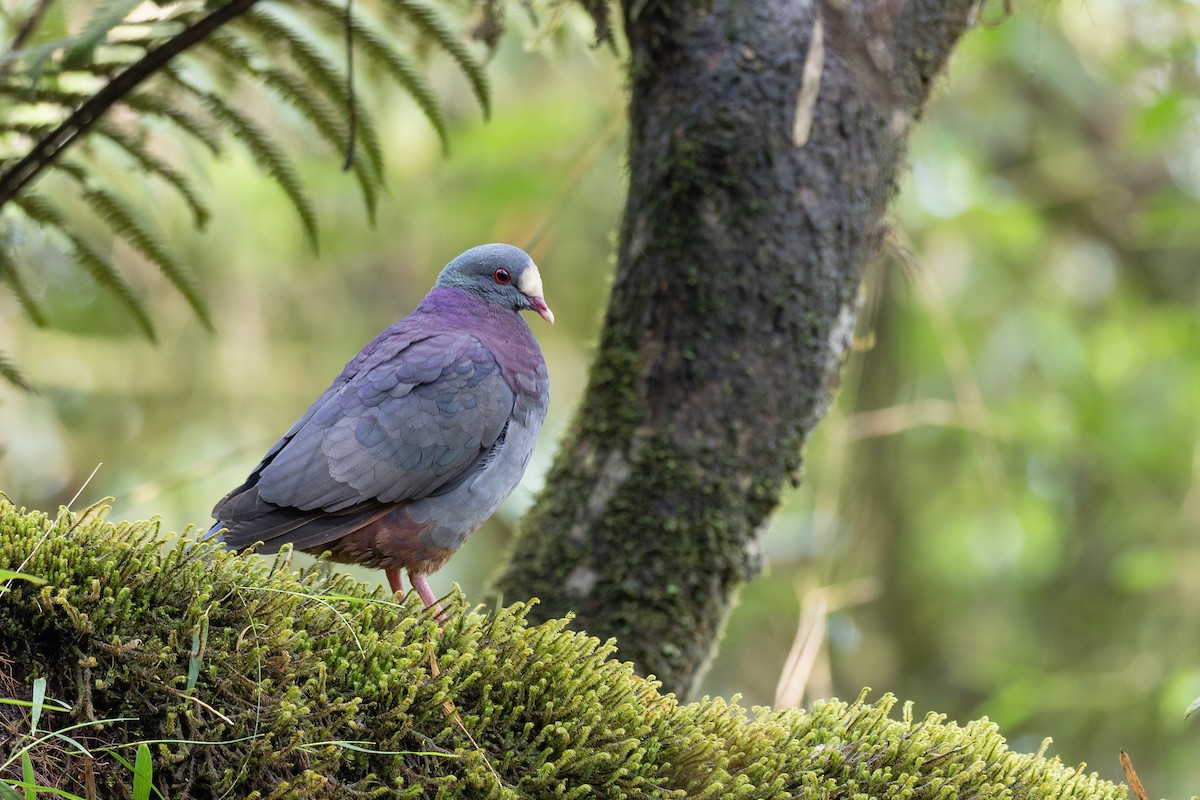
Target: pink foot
(427, 596)
(394, 580)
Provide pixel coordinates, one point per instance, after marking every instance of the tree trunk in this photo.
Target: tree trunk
(747, 227)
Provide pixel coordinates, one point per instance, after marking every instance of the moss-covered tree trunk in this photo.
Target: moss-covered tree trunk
(764, 148)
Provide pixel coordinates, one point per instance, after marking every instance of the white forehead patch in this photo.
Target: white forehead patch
(530, 282)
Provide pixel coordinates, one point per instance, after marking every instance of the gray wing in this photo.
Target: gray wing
(395, 430)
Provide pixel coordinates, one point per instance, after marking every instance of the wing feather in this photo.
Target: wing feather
(394, 430)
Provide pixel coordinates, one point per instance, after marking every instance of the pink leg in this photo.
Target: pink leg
(394, 580)
(427, 596)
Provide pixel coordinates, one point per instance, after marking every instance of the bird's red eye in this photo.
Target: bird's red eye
(501, 276)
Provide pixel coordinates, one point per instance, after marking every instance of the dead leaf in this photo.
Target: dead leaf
(1131, 777)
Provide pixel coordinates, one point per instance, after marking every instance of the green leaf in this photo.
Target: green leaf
(1193, 708)
(293, 90)
(28, 779)
(10, 575)
(196, 656)
(39, 699)
(161, 104)
(104, 273)
(7, 792)
(143, 772)
(292, 60)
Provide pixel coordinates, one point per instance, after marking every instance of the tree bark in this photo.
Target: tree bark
(748, 224)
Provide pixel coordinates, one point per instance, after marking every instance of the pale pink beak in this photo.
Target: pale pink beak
(543, 310)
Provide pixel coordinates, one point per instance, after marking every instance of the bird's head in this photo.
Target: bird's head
(500, 274)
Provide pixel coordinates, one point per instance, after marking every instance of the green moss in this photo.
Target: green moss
(311, 686)
(613, 381)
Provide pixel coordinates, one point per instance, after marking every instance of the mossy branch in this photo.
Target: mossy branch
(254, 680)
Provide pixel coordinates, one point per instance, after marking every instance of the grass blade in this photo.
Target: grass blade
(10, 701)
(196, 657)
(39, 699)
(33, 787)
(27, 777)
(143, 771)
(11, 575)
(357, 746)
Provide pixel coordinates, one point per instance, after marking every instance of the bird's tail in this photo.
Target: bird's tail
(216, 533)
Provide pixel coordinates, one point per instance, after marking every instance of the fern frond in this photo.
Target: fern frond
(157, 104)
(293, 90)
(268, 154)
(50, 95)
(47, 150)
(132, 227)
(430, 21)
(95, 33)
(105, 274)
(407, 76)
(10, 373)
(74, 169)
(297, 94)
(16, 282)
(100, 268)
(394, 64)
(316, 67)
(128, 53)
(153, 165)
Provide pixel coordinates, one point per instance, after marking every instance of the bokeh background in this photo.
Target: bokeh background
(1001, 515)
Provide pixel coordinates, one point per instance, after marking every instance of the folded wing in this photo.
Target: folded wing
(390, 429)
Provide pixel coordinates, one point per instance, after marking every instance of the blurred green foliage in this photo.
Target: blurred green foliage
(999, 518)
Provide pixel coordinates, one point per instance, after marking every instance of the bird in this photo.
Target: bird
(418, 440)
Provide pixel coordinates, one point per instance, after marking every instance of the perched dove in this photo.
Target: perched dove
(418, 440)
